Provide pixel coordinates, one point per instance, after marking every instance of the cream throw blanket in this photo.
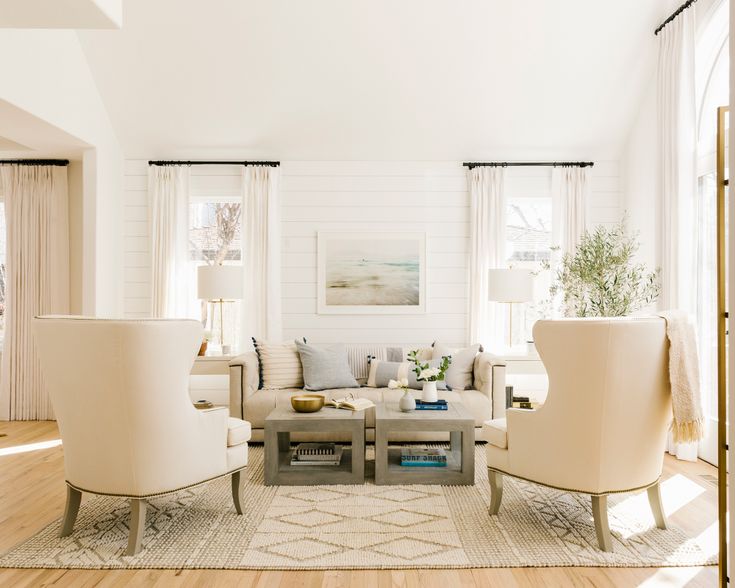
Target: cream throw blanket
(688, 425)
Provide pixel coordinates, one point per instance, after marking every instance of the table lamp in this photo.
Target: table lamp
(510, 286)
(218, 284)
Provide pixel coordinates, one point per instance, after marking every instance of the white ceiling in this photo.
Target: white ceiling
(376, 79)
(60, 14)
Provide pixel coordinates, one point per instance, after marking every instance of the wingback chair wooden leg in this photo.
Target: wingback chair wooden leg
(496, 491)
(654, 499)
(71, 510)
(238, 488)
(138, 508)
(602, 527)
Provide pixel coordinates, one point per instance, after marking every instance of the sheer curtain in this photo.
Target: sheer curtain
(677, 158)
(487, 250)
(37, 279)
(261, 252)
(677, 173)
(570, 193)
(172, 272)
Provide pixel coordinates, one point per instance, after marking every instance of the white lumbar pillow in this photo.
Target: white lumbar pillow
(459, 376)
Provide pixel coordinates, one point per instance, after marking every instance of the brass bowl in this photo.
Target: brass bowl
(307, 402)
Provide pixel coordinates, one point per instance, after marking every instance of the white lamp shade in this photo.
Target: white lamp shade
(510, 285)
(219, 282)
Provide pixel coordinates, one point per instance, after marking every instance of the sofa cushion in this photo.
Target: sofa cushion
(459, 376)
(495, 432)
(382, 372)
(280, 365)
(238, 432)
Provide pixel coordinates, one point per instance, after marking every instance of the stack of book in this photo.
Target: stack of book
(438, 405)
(423, 457)
(512, 401)
(524, 402)
(316, 454)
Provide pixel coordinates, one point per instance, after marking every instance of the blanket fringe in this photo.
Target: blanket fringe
(689, 432)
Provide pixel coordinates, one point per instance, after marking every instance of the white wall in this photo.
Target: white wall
(359, 196)
(45, 74)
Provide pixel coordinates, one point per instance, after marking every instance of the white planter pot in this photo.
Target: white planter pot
(429, 394)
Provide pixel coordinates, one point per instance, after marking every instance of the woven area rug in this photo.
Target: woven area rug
(367, 526)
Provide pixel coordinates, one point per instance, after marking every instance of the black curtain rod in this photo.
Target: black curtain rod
(34, 162)
(266, 163)
(473, 164)
(677, 12)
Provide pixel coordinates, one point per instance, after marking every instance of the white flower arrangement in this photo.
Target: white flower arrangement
(400, 384)
(424, 373)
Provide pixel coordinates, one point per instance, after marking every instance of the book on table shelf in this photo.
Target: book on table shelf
(317, 454)
(350, 403)
(525, 404)
(438, 405)
(432, 457)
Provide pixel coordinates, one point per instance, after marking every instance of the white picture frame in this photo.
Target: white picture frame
(381, 273)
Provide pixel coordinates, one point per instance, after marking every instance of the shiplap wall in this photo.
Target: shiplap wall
(360, 196)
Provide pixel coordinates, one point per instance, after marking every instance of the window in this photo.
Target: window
(214, 231)
(528, 245)
(712, 90)
(528, 231)
(215, 226)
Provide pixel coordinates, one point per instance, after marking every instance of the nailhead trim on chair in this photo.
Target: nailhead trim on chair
(576, 490)
(157, 493)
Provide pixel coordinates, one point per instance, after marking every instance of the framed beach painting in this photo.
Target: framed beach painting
(371, 273)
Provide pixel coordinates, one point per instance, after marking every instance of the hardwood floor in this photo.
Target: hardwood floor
(32, 495)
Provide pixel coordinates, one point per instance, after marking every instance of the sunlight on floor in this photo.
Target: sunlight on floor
(29, 447)
(676, 492)
(708, 539)
(679, 491)
(671, 577)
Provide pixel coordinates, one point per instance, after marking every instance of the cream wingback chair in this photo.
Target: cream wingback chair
(604, 424)
(119, 390)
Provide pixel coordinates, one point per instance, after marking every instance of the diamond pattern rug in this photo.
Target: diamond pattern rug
(366, 526)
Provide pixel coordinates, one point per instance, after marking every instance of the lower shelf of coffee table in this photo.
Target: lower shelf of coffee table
(397, 474)
(454, 463)
(311, 475)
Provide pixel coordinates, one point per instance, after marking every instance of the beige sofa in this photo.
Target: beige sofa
(486, 401)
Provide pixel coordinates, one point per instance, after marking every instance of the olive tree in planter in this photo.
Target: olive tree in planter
(601, 277)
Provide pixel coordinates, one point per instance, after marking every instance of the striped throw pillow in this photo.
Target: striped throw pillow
(280, 365)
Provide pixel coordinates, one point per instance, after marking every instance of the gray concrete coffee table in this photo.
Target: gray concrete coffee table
(283, 421)
(460, 424)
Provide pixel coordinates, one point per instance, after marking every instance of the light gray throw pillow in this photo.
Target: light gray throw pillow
(325, 368)
(382, 372)
(460, 374)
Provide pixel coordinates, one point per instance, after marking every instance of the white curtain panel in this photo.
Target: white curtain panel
(570, 188)
(37, 279)
(677, 140)
(261, 244)
(677, 158)
(172, 288)
(487, 250)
